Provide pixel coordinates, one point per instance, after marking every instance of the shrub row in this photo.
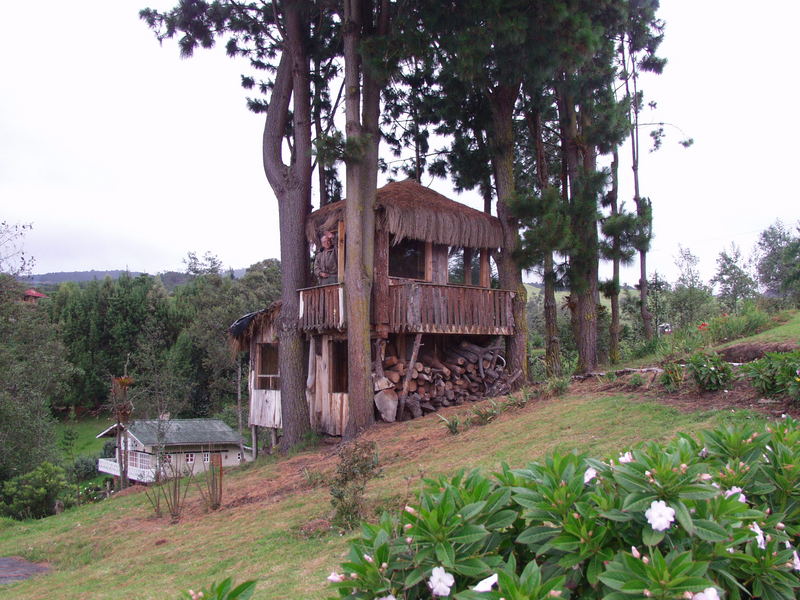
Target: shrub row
(692, 518)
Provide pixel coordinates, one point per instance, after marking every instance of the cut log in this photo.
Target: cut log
(404, 392)
(390, 361)
(386, 401)
(393, 376)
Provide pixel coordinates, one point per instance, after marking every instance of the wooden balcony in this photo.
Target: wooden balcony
(322, 308)
(416, 306)
(431, 308)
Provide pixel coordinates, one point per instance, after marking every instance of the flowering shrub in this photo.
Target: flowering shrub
(358, 463)
(223, 590)
(704, 519)
(709, 371)
(776, 374)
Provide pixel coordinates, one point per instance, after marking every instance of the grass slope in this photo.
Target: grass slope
(117, 549)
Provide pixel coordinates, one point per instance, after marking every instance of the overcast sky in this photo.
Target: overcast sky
(122, 155)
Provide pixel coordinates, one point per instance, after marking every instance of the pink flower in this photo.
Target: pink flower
(710, 593)
(760, 540)
(590, 474)
(736, 490)
(335, 577)
(626, 458)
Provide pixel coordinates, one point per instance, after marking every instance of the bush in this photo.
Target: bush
(223, 590)
(777, 374)
(557, 386)
(672, 377)
(664, 521)
(709, 371)
(37, 494)
(731, 327)
(358, 463)
(84, 468)
(109, 449)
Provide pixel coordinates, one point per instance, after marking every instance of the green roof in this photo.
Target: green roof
(177, 432)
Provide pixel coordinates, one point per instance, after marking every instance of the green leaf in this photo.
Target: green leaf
(414, 577)
(472, 567)
(638, 501)
(651, 537)
(683, 516)
(468, 534)
(710, 531)
(446, 554)
(470, 510)
(594, 569)
(535, 535)
(501, 519)
(243, 591)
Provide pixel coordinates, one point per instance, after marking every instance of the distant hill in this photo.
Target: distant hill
(171, 279)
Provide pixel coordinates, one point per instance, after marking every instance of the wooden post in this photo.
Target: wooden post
(428, 261)
(340, 233)
(380, 288)
(468, 255)
(401, 405)
(254, 435)
(484, 268)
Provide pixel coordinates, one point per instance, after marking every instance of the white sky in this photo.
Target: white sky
(122, 155)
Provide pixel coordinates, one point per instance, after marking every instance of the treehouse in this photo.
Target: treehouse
(435, 318)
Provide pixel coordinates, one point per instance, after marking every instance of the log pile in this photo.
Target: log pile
(426, 381)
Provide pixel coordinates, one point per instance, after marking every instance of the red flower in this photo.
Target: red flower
(702, 326)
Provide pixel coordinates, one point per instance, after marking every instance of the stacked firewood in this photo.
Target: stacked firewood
(427, 381)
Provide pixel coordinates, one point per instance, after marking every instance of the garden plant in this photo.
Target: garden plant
(707, 518)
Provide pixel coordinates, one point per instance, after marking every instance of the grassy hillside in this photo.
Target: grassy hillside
(272, 526)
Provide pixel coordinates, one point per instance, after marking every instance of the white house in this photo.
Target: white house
(185, 445)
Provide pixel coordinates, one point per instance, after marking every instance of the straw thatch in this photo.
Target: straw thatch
(241, 332)
(409, 210)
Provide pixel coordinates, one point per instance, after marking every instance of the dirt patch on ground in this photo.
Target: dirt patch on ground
(13, 568)
(750, 351)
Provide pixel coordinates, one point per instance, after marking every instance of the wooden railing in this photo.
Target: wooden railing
(417, 307)
(322, 307)
(430, 308)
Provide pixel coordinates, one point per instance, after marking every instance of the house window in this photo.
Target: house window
(407, 259)
(463, 266)
(189, 457)
(267, 376)
(338, 367)
(206, 457)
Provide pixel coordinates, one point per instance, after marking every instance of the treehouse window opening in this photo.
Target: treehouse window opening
(268, 377)
(338, 371)
(463, 266)
(407, 259)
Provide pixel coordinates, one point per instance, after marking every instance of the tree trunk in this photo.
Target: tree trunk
(613, 349)
(292, 187)
(362, 113)
(502, 100)
(552, 342)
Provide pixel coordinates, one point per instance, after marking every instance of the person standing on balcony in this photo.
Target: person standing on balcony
(326, 262)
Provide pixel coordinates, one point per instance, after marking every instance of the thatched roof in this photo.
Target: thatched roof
(410, 210)
(242, 330)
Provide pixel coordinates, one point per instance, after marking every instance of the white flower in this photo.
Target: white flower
(762, 543)
(410, 510)
(626, 458)
(486, 585)
(659, 515)
(368, 558)
(335, 577)
(710, 593)
(795, 561)
(389, 597)
(440, 582)
(635, 552)
(590, 474)
(705, 477)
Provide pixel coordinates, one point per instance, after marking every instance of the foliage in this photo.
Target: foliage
(777, 374)
(83, 468)
(173, 486)
(734, 282)
(37, 494)
(709, 371)
(557, 386)
(452, 424)
(691, 300)
(748, 322)
(92, 492)
(777, 258)
(672, 377)
(636, 380)
(483, 415)
(358, 463)
(211, 486)
(223, 590)
(33, 372)
(662, 521)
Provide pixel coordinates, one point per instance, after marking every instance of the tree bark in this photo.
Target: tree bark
(502, 100)
(613, 350)
(292, 187)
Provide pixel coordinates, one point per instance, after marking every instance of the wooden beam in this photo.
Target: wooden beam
(340, 233)
(485, 278)
(428, 261)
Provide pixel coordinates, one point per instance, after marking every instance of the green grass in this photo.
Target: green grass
(116, 549)
(87, 428)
